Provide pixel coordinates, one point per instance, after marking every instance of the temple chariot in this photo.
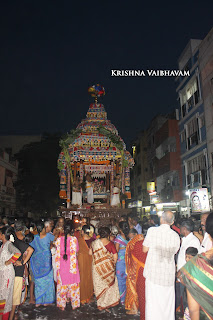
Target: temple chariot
(94, 155)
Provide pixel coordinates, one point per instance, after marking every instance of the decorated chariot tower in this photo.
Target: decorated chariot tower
(95, 149)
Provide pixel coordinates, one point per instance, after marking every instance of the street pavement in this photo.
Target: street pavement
(89, 311)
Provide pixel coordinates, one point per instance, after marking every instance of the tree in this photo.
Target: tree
(37, 186)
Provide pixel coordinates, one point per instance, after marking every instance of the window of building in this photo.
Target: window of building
(183, 110)
(190, 97)
(175, 181)
(197, 164)
(193, 133)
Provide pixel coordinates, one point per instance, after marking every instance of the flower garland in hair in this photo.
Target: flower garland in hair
(12, 238)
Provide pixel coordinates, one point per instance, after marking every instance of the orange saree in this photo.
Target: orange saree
(85, 268)
(135, 282)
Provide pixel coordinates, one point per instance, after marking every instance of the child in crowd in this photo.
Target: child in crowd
(191, 252)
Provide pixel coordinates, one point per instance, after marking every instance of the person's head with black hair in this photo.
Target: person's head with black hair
(85, 221)
(203, 219)
(33, 227)
(124, 229)
(146, 226)
(145, 219)
(132, 233)
(187, 226)
(11, 222)
(155, 220)
(29, 238)
(190, 253)
(68, 231)
(5, 234)
(104, 232)
(27, 222)
(20, 226)
(40, 227)
(60, 223)
(209, 225)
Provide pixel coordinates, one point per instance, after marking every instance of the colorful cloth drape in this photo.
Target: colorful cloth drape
(85, 268)
(104, 278)
(197, 275)
(41, 264)
(68, 277)
(135, 282)
(72, 254)
(121, 267)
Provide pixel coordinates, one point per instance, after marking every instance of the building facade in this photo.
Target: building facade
(192, 130)
(168, 163)
(140, 172)
(206, 70)
(8, 175)
(156, 153)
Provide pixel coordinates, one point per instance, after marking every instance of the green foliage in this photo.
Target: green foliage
(69, 138)
(60, 166)
(64, 143)
(114, 138)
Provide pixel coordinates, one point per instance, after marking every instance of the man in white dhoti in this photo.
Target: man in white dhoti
(115, 198)
(77, 193)
(161, 243)
(89, 189)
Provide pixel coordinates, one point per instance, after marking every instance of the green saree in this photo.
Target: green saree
(197, 275)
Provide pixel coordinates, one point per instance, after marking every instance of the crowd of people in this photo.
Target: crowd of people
(153, 267)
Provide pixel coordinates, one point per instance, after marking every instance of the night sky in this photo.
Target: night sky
(52, 51)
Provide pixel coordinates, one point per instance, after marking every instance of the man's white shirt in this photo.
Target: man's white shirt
(188, 241)
(206, 243)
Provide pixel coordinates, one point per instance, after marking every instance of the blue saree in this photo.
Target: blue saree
(121, 267)
(41, 264)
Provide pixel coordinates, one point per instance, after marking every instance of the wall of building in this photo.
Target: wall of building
(206, 69)
(140, 171)
(8, 175)
(168, 163)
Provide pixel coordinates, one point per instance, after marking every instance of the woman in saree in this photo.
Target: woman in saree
(68, 277)
(197, 276)
(104, 257)
(85, 263)
(120, 244)
(135, 282)
(9, 254)
(41, 264)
